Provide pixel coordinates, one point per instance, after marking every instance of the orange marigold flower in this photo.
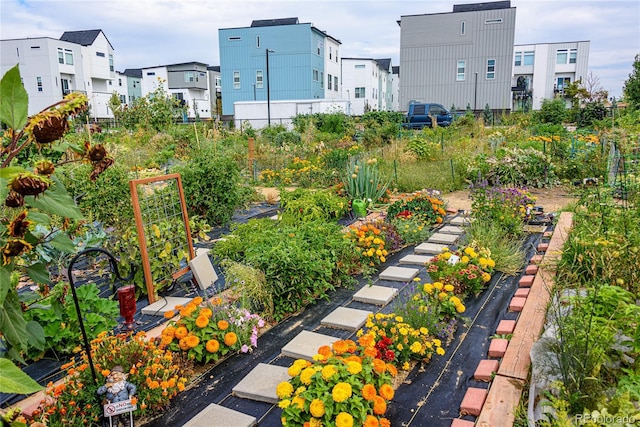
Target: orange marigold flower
(379, 366)
(105, 372)
(169, 314)
(223, 325)
(181, 386)
(370, 351)
(325, 350)
(184, 346)
(212, 346)
(181, 332)
(230, 338)
(369, 392)
(340, 347)
(371, 421)
(192, 341)
(197, 300)
(206, 312)
(366, 340)
(385, 422)
(392, 369)
(202, 321)
(386, 391)
(379, 405)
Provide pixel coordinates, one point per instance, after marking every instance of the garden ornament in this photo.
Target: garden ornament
(118, 390)
(359, 207)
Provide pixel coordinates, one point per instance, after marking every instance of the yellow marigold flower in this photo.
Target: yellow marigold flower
(354, 367)
(230, 338)
(438, 285)
(341, 392)
(298, 401)
(437, 342)
(464, 259)
(317, 408)
(400, 347)
(405, 366)
(344, 420)
(284, 404)
(297, 366)
(449, 288)
(455, 300)
(328, 371)
(460, 308)
(399, 319)
(428, 288)
(416, 347)
(386, 391)
(202, 321)
(424, 331)
(442, 296)
(383, 259)
(284, 390)
(440, 351)
(491, 263)
(486, 277)
(306, 375)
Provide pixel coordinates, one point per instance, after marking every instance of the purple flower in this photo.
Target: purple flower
(245, 348)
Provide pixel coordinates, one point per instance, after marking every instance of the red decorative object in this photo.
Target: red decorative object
(127, 300)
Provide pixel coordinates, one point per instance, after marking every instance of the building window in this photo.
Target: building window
(119, 82)
(189, 77)
(123, 99)
(573, 56)
(360, 93)
(528, 57)
(336, 55)
(259, 80)
(60, 56)
(329, 81)
(321, 79)
(235, 39)
(110, 82)
(491, 69)
(100, 54)
(460, 71)
(561, 56)
(258, 42)
(335, 83)
(319, 48)
(65, 56)
(493, 21)
(151, 73)
(236, 79)
(35, 47)
(39, 82)
(111, 68)
(330, 53)
(218, 81)
(315, 75)
(462, 27)
(359, 66)
(562, 83)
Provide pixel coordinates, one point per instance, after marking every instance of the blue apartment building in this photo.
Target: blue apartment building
(298, 57)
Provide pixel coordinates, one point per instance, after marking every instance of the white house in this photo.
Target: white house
(367, 85)
(332, 88)
(543, 71)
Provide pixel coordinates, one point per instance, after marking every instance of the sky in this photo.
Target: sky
(146, 33)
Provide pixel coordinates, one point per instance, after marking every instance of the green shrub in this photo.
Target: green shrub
(515, 167)
(211, 185)
(552, 111)
(301, 262)
(312, 205)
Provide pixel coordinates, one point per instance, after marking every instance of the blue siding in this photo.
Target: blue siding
(291, 63)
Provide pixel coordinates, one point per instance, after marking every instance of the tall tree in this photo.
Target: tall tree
(632, 85)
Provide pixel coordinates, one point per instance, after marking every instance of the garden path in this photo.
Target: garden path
(432, 394)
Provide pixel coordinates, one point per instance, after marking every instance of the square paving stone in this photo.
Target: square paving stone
(451, 229)
(219, 416)
(378, 295)
(398, 274)
(460, 220)
(260, 384)
(443, 238)
(350, 319)
(429, 248)
(160, 307)
(415, 259)
(306, 344)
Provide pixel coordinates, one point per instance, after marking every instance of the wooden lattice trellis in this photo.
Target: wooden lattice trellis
(163, 230)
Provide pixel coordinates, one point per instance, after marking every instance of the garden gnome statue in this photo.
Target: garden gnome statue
(117, 389)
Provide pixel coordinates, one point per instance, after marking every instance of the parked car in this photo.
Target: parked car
(420, 115)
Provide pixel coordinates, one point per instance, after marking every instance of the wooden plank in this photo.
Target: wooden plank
(503, 399)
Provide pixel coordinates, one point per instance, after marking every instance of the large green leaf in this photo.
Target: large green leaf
(35, 335)
(56, 201)
(12, 323)
(39, 217)
(5, 283)
(13, 380)
(38, 273)
(63, 243)
(9, 172)
(15, 101)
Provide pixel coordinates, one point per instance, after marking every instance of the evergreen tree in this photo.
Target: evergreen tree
(632, 85)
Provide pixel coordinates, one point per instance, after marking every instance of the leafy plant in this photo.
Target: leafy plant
(311, 205)
(507, 207)
(362, 180)
(425, 206)
(467, 269)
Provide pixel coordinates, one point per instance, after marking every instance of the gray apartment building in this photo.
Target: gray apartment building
(459, 58)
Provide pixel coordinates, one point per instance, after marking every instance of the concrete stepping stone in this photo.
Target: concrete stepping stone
(306, 344)
(415, 260)
(443, 238)
(377, 295)
(219, 416)
(260, 384)
(429, 248)
(460, 220)
(349, 319)
(160, 307)
(399, 274)
(451, 229)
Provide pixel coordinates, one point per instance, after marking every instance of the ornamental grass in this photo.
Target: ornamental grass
(158, 374)
(345, 386)
(207, 331)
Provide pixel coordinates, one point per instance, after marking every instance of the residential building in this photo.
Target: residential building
(134, 84)
(395, 87)
(367, 84)
(50, 68)
(460, 58)
(278, 59)
(543, 71)
(187, 82)
(215, 88)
